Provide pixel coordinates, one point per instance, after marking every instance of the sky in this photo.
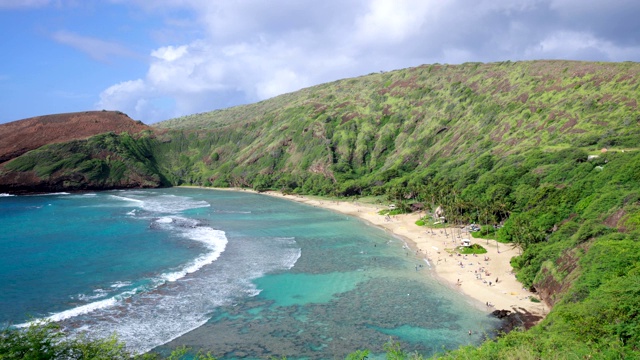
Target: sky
(160, 59)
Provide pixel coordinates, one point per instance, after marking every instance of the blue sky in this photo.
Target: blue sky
(158, 59)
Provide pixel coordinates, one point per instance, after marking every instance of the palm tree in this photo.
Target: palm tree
(432, 193)
(444, 202)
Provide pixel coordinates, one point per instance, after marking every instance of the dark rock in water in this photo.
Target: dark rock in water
(516, 318)
(501, 314)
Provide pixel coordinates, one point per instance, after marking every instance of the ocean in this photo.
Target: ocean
(239, 274)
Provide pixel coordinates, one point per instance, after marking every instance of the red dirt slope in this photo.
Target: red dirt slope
(18, 137)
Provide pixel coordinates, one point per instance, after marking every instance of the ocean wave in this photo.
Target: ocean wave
(138, 201)
(215, 240)
(97, 305)
(172, 204)
(289, 239)
(120, 284)
(52, 194)
(167, 204)
(290, 258)
(174, 308)
(101, 293)
(80, 310)
(97, 294)
(5, 195)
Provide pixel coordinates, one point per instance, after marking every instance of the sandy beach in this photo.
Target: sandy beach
(473, 276)
(486, 278)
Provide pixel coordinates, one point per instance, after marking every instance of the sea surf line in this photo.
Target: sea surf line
(147, 312)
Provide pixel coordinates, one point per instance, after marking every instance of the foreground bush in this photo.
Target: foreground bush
(45, 340)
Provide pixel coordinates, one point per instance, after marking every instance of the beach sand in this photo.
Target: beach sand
(437, 248)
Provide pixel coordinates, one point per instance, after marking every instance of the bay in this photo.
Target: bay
(235, 273)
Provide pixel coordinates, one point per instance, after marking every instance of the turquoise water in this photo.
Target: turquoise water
(238, 274)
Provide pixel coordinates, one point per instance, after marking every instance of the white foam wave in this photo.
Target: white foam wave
(52, 194)
(167, 204)
(93, 306)
(5, 195)
(290, 240)
(84, 309)
(128, 199)
(215, 240)
(172, 204)
(80, 310)
(97, 294)
(152, 318)
(165, 220)
(119, 284)
(289, 259)
(291, 262)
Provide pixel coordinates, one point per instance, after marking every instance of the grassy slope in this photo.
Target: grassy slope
(103, 161)
(492, 143)
(376, 126)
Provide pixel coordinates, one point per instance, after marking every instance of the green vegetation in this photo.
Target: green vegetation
(543, 154)
(485, 232)
(103, 161)
(45, 340)
(473, 249)
(393, 212)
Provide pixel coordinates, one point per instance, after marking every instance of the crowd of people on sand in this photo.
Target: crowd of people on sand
(468, 262)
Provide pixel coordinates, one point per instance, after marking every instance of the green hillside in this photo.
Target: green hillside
(357, 134)
(547, 149)
(105, 161)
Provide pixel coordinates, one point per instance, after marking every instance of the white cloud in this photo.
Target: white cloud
(394, 21)
(567, 41)
(578, 45)
(282, 81)
(97, 49)
(187, 69)
(124, 95)
(244, 51)
(197, 75)
(169, 53)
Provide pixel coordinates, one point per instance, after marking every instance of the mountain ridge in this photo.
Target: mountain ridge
(18, 137)
(64, 140)
(415, 116)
